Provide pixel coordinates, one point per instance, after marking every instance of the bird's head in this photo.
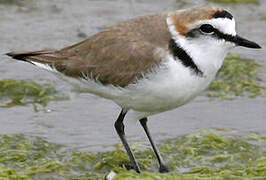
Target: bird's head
(206, 34)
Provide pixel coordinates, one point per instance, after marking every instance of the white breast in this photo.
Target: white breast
(169, 86)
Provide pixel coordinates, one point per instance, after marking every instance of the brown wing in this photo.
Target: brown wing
(119, 55)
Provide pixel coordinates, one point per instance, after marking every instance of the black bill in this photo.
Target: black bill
(239, 41)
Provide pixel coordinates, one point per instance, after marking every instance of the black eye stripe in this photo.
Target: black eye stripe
(221, 35)
(194, 33)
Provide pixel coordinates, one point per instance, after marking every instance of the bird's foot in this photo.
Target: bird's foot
(130, 166)
(164, 168)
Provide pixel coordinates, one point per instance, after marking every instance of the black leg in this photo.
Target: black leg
(119, 126)
(163, 167)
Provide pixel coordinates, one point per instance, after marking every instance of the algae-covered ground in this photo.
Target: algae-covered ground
(237, 77)
(22, 92)
(16, 2)
(208, 155)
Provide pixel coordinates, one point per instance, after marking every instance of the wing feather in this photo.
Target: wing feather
(119, 55)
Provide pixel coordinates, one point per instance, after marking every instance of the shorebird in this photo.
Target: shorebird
(149, 64)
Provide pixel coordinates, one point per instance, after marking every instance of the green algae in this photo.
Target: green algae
(237, 77)
(22, 92)
(204, 155)
(233, 1)
(223, 129)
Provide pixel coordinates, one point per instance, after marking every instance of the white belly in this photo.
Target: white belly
(169, 87)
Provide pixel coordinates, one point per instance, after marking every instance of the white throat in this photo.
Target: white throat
(208, 54)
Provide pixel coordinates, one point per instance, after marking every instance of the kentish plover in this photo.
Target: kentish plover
(149, 64)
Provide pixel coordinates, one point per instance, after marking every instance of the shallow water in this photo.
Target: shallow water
(86, 122)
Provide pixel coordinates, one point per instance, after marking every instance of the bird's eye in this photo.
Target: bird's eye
(207, 28)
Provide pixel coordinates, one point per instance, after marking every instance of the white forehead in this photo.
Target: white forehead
(224, 25)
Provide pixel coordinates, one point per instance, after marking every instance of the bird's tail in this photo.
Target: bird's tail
(53, 61)
(29, 55)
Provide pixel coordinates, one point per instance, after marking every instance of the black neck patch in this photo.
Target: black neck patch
(180, 54)
(222, 14)
(226, 37)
